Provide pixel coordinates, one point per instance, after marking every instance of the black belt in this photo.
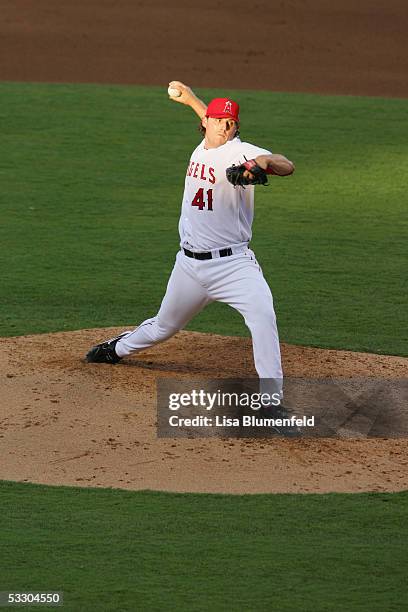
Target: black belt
(222, 252)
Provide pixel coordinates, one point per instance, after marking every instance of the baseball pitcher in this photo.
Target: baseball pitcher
(215, 262)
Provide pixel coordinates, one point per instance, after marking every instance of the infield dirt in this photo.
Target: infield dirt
(342, 47)
(66, 422)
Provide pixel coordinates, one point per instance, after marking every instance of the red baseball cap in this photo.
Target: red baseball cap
(223, 107)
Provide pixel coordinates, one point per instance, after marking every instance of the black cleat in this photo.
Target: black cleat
(105, 352)
(286, 425)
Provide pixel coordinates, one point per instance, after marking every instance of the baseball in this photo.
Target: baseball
(173, 92)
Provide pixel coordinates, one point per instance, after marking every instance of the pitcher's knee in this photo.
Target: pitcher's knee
(262, 320)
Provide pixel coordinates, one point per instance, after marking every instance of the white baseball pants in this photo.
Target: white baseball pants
(236, 280)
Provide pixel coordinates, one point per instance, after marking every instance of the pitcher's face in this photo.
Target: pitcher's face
(218, 131)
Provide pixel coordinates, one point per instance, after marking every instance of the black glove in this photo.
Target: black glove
(257, 176)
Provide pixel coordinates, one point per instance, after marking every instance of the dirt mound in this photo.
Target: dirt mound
(63, 421)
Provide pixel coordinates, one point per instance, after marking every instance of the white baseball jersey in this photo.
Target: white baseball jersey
(214, 213)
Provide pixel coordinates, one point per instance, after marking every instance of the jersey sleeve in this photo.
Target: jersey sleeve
(251, 151)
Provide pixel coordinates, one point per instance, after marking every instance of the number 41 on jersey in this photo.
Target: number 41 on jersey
(200, 200)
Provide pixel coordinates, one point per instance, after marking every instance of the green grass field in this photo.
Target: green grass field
(92, 179)
(117, 550)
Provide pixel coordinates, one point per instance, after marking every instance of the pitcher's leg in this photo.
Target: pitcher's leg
(245, 289)
(184, 298)
(259, 315)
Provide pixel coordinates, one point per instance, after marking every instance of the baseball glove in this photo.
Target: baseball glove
(238, 175)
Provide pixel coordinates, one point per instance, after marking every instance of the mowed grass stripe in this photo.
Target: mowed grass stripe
(118, 550)
(92, 178)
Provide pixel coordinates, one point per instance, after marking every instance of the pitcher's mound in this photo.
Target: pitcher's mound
(66, 422)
